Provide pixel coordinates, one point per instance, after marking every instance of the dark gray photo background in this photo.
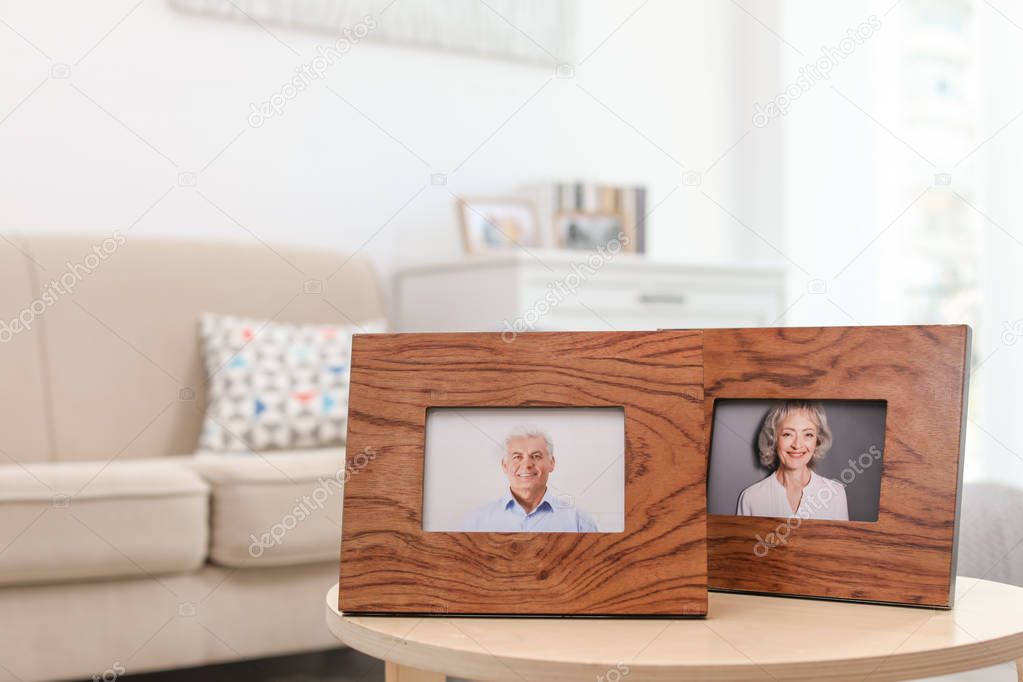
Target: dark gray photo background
(734, 464)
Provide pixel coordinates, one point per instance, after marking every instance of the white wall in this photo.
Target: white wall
(321, 173)
(829, 166)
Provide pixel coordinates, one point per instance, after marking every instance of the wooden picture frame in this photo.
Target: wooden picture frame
(622, 233)
(471, 212)
(908, 556)
(588, 198)
(656, 567)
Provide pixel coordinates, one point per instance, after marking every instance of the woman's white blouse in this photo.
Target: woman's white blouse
(822, 498)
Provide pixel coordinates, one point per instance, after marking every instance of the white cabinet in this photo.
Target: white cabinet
(565, 290)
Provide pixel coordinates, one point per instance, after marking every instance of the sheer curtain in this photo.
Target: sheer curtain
(902, 186)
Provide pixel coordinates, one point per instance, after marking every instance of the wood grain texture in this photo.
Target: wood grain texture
(908, 555)
(656, 567)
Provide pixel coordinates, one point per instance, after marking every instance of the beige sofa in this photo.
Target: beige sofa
(120, 549)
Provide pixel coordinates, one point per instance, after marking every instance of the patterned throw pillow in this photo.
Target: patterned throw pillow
(275, 386)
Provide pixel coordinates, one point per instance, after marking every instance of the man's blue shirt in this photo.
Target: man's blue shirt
(506, 515)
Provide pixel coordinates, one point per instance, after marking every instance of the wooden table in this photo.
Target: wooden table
(743, 638)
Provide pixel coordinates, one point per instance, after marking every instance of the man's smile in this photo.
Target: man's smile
(527, 464)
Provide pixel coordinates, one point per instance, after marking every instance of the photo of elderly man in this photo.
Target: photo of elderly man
(528, 505)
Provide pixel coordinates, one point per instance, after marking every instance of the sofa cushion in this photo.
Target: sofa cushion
(275, 386)
(79, 520)
(274, 508)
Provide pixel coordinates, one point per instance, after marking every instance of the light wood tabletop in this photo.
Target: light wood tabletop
(744, 637)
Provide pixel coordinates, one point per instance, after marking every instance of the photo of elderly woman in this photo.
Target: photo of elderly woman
(811, 459)
(795, 435)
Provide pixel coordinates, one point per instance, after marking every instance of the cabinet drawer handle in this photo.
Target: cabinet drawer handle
(672, 299)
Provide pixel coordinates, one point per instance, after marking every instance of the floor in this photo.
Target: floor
(334, 665)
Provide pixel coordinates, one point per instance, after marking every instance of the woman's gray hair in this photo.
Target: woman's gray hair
(528, 432)
(767, 441)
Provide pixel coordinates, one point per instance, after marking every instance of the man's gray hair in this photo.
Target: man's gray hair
(528, 432)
